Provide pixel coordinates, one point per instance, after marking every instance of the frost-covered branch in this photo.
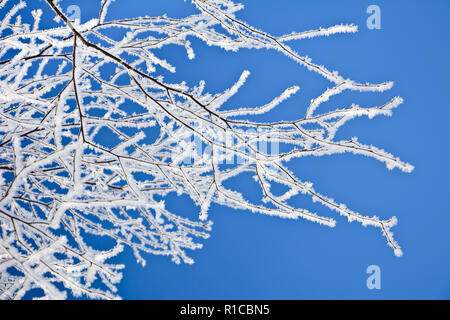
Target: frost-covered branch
(62, 184)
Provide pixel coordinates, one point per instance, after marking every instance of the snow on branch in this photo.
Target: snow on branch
(62, 184)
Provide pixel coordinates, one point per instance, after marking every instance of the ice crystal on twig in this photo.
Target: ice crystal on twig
(60, 184)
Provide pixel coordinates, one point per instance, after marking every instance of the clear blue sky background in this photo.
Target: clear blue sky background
(257, 257)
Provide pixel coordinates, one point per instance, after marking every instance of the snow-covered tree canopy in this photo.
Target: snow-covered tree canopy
(61, 183)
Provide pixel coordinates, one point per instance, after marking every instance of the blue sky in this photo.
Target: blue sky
(257, 257)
